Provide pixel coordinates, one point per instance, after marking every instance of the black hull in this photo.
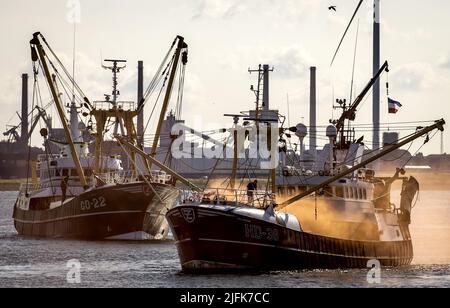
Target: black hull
(102, 213)
(218, 241)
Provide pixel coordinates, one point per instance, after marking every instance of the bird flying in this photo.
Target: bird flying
(333, 7)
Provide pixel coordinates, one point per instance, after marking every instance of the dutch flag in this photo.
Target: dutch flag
(394, 106)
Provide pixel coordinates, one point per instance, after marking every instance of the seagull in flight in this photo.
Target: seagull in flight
(333, 7)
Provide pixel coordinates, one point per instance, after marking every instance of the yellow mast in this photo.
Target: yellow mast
(101, 117)
(181, 45)
(37, 44)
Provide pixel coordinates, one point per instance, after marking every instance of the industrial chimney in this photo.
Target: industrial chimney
(140, 95)
(312, 113)
(24, 125)
(266, 88)
(376, 67)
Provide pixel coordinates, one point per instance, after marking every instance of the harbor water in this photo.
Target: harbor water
(32, 262)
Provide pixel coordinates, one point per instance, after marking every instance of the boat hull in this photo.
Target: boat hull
(215, 239)
(103, 213)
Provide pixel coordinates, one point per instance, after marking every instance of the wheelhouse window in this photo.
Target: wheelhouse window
(291, 191)
(339, 191)
(328, 192)
(302, 189)
(360, 194)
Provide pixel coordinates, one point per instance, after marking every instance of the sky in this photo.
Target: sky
(226, 38)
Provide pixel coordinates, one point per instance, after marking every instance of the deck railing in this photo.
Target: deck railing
(122, 177)
(230, 197)
(108, 105)
(47, 157)
(29, 187)
(118, 177)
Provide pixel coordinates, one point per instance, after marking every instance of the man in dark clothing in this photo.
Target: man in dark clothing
(64, 184)
(251, 188)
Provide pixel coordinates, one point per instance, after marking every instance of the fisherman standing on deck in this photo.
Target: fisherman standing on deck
(64, 184)
(251, 188)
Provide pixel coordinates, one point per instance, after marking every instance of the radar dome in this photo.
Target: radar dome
(331, 131)
(302, 131)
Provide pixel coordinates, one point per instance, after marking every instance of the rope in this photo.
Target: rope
(66, 72)
(158, 97)
(157, 77)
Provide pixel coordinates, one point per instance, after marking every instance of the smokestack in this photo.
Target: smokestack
(376, 67)
(266, 88)
(140, 95)
(312, 113)
(24, 124)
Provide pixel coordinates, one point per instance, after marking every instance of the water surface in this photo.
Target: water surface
(31, 262)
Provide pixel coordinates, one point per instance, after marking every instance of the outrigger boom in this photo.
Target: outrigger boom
(152, 160)
(438, 125)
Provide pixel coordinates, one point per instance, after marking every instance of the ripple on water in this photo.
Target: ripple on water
(31, 262)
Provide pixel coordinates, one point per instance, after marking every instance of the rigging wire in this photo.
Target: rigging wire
(73, 59)
(72, 80)
(346, 30)
(158, 74)
(354, 62)
(167, 72)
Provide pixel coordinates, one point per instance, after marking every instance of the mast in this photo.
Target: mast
(140, 96)
(263, 113)
(376, 65)
(181, 45)
(313, 113)
(123, 114)
(36, 44)
(273, 172)
(438, 125)
(235, 153)
(115, 69)
(350, 113)
(24, 118)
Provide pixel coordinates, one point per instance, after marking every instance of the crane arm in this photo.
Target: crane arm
(424, 131)
(350, 114)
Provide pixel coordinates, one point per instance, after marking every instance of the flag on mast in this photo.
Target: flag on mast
(394, 106)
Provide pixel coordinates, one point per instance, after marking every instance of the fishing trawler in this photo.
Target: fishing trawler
(338, 215)
(85, 196)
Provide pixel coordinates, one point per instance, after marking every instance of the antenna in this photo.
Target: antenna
(354, 62)
(263, 82)
(73, 61)
(346, 30)
(115, 68)
(288, 110)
